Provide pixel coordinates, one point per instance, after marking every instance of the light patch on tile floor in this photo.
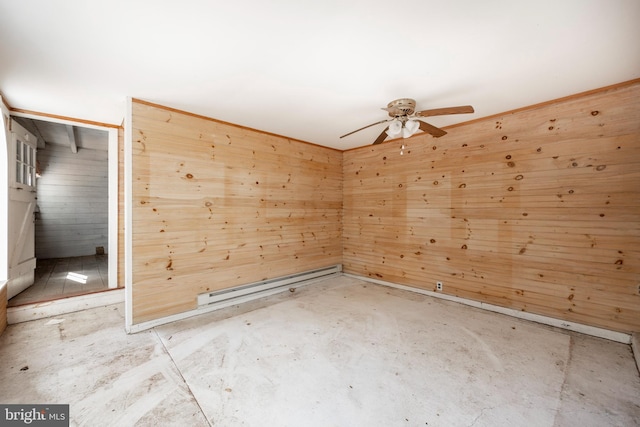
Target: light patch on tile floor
(59, 278)
(340, 352)
(77, 277)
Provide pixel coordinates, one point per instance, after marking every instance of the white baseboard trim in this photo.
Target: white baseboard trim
(25, 313)
(138, 327)
(563, 324)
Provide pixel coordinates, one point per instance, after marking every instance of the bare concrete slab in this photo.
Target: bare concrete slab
(342, 352)
(85, 359)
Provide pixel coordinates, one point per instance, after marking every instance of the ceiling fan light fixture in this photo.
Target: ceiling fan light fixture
(410, 127)
(395, 128)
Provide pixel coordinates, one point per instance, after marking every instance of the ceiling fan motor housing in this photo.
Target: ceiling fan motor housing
(401, 107)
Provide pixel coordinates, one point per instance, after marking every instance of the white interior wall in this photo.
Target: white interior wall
(73, 192)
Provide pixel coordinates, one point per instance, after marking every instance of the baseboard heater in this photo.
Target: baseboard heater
(216, 300)
(265, 287)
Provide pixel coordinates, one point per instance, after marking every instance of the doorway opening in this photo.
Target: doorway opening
(75, 216)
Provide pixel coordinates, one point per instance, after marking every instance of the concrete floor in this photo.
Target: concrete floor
(341, 352)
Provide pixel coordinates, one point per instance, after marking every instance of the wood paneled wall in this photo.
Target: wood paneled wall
(217, 205)
(73, 198)
(537, 210)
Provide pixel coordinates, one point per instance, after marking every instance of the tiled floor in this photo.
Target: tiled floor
(63, 277)
(340, 352)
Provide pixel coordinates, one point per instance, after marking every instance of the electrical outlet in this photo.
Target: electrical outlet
(439, 286)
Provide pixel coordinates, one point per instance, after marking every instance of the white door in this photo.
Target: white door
(22, 203)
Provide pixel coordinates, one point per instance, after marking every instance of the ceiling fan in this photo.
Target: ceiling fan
(404, 119)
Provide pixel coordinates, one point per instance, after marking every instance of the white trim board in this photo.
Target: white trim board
(112, 266)
(25, 313)
(563, 324)
(4, 191)
(128, 214)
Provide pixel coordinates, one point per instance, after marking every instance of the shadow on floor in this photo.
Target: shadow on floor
(57, 278)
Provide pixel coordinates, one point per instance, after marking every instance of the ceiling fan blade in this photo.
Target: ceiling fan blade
(382, 137)
(465, 109)
(367, 126)
(432, 130)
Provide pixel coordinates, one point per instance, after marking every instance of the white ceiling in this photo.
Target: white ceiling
(311, 70)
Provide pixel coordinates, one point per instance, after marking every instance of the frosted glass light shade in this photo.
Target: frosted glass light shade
(395, 128)
(410, 127)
